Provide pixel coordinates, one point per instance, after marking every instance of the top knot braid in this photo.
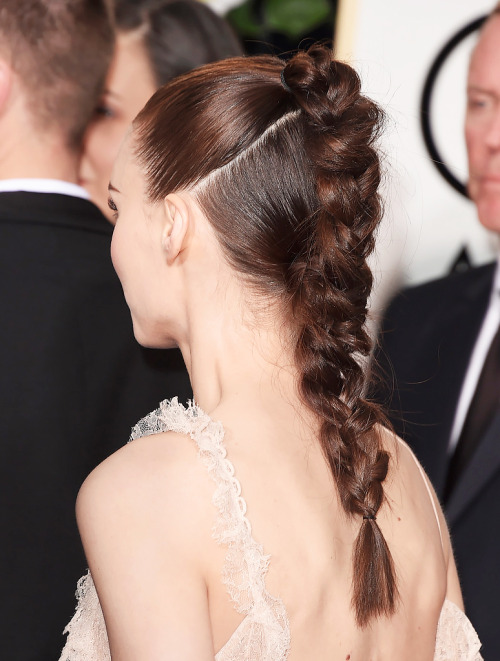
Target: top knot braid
(282, 160)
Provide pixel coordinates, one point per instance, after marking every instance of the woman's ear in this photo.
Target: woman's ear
(177, 219)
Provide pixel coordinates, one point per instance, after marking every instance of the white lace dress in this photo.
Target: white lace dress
(264, 633)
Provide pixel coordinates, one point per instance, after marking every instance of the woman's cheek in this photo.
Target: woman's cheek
(116, 252)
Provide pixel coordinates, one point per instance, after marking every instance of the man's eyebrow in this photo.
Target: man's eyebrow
(481, 90)
(111, 187)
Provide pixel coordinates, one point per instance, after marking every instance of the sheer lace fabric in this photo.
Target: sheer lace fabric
(264, 633)
(456, 638)
(87, 637)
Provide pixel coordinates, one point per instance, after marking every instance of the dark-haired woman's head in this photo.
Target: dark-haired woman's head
(282, 161)
(156, 41)
(269, 172)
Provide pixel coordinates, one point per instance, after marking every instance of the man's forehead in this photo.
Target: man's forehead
(484, 69)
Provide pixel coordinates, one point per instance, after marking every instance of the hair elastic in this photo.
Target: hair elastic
(370, 517)
(283, 81)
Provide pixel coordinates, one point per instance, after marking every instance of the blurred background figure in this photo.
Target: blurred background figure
(73, 380)
(418, 75)
(440, 349)
(156, 40)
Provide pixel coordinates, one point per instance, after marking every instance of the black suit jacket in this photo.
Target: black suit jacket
(73, 381)
(425, 345)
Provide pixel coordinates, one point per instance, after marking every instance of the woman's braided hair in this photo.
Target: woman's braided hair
(282, 160)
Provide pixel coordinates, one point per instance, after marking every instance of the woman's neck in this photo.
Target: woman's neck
(231, 360)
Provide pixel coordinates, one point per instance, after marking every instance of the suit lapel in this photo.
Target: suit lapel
(463, 327)
(458, 333)
(483, 465)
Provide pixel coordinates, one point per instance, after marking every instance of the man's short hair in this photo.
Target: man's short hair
(60, 50)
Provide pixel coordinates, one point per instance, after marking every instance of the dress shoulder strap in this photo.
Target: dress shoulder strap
(246, 563)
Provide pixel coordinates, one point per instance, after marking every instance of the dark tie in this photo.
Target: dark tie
(483, 406)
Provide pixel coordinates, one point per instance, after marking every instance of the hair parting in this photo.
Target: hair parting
(209, 180)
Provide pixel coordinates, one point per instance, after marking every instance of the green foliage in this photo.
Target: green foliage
(293, 18)
(242, 18)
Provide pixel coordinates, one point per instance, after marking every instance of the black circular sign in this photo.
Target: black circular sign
(425, 104)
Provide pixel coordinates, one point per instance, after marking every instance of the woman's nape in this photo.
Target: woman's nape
(156, 41)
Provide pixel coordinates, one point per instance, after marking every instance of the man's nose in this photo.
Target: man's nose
(493, 133)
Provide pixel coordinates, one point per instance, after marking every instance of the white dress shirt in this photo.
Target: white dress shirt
(34, 185)
(476, 362)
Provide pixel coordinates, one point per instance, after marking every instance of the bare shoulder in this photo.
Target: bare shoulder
(409, 490)
(144, 516)
(157, 481)
(412, 498)
(404, 465)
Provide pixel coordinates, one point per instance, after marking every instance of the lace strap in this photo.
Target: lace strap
(246, 564)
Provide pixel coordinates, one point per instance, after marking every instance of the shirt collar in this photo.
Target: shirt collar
(43, 186)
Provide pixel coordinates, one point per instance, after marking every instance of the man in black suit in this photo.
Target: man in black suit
(72, 378)
(440, 353)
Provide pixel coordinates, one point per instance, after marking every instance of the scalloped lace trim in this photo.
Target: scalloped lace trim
(264, 633)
